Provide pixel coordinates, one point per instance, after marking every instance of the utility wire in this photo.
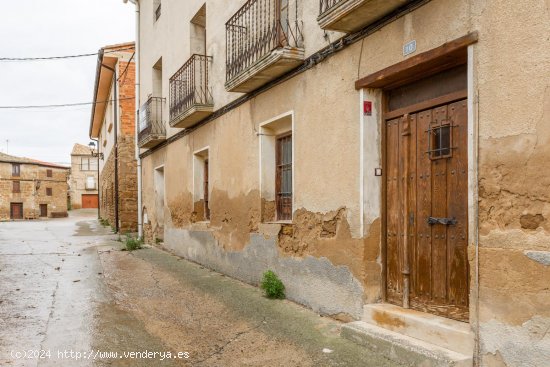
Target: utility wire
(13, 59)
(61, 105)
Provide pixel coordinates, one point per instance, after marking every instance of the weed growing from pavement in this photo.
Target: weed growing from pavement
(104, 222)
(132, 243)
(272, 285)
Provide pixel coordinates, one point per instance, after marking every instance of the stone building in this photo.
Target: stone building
(369, 152)
(84, 177)
(31, 189)
(113, 127)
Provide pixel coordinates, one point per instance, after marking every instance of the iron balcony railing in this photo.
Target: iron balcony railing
(326, 5)
(258, 28)
(190, 85)
(151, 118)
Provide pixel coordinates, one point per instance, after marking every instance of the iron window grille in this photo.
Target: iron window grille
(283, 184)
(206, 196)
(190, 85)
(256, 29)
(440, 139)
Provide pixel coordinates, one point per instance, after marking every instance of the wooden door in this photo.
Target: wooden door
(43, 210)
(90, 201)
(426, 210)
(16, 210)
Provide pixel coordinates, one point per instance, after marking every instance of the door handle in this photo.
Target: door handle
(444, 221)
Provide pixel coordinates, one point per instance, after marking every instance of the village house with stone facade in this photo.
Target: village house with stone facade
(32, 189)
(387, 159)
(84, 177)
(112, 125)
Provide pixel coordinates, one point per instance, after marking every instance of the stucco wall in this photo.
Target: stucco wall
(509, 102)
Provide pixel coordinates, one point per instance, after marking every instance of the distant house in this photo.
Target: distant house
(83, 182)
(31, 189)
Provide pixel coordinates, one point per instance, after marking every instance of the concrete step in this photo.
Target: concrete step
(446, 333)
(403, 349)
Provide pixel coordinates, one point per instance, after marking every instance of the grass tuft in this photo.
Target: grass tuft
(272, 285)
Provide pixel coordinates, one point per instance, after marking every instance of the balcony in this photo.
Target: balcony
(351, 15)
(264, 41)
(152, 128)
(190, 93)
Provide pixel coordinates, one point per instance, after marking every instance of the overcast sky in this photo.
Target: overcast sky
(39, 28)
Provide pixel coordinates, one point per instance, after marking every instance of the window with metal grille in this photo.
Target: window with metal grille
(16, 169)
(49, 173)
(283, 177)
(16, 187)
(440, 140)
(49, 191)
(206, 206)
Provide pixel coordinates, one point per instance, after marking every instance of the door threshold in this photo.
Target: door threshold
(446, 333)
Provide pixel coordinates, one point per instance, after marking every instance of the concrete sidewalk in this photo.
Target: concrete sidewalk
(160, 301)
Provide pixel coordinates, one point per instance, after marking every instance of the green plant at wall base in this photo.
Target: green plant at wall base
(104, 222)
(133, 243)
(272, 285)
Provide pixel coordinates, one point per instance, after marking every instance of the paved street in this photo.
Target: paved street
(66, 288)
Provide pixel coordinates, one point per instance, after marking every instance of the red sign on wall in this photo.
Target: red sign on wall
(367, 108)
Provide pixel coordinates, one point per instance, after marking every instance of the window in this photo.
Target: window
(440, 140)
(49, 191)
(88, 164)
(16, 187)
(49, 173)
(198, 32)
(157, 78)
(157, 9)
(206, 206)
(16, 169)
(283, 177)
(90, 183)
(276, 159)
(201, 184)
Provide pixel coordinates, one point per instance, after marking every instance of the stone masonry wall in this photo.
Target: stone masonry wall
(33, 184)
(127, 165)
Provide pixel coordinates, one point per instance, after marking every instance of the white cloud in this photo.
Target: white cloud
(31, 28)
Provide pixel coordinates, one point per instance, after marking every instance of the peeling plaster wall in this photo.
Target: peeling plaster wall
(314, 282)
(512, 60)
(330, 257)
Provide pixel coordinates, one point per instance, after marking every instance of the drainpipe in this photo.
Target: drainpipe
(115, 118)
(138, 104)
(98, 194)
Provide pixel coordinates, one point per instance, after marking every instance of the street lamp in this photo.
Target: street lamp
(94, 152)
